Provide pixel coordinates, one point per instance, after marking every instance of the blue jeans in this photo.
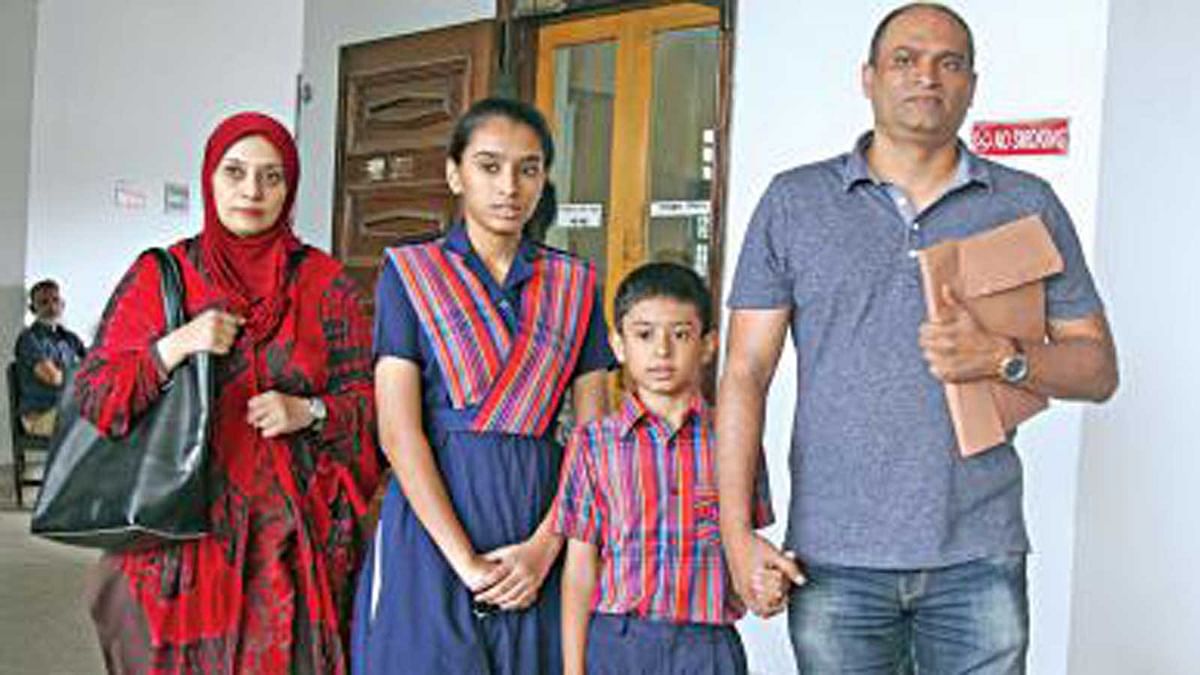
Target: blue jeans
(966, 618)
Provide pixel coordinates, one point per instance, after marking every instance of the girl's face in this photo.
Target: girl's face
(249, 186)
(501, 176)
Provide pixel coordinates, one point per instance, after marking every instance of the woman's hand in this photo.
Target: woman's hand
(524, 567)
(210, 331)
(275, 414)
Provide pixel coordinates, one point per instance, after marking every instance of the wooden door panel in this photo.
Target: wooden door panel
(384, 216)
(398, 102)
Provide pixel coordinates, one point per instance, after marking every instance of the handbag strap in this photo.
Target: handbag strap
(172, 288)
(173, 312)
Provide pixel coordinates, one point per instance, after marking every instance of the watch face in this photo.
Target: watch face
(316, 407)
(1016, 368)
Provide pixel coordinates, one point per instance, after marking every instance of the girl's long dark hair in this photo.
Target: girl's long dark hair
(522, 113)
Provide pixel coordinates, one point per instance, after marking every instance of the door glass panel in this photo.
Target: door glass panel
(583, 121)
(682, 159)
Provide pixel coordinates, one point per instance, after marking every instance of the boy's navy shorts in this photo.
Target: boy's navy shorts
(619, 644)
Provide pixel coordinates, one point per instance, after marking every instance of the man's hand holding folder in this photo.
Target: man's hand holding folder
(981, 294)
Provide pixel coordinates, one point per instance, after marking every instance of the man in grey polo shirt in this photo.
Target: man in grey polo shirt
(914, 556)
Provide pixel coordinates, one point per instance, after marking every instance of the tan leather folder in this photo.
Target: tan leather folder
(998, 275)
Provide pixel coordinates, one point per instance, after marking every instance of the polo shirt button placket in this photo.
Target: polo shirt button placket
(913, 235)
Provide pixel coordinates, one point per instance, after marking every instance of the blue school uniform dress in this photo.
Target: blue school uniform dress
(495, 360)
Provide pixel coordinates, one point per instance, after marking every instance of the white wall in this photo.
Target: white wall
(128, 89)
(1136, 598)
(328, 26)
(1035, 59)
(18, 24)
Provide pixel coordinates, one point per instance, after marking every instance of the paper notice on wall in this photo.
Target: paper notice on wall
(176, 198)
(580, 215)
(680, 209)
(129, 196)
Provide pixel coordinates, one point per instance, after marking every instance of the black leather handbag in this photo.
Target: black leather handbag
(143, 488)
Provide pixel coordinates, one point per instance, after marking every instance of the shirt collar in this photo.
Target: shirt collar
(855, 170)
(456, 240)
(633, 412)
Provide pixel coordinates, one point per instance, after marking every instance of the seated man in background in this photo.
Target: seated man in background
(45, 350)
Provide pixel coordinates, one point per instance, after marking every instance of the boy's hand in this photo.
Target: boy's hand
(770, 586)
(746, 552)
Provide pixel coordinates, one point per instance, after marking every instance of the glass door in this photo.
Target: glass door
(634, 101)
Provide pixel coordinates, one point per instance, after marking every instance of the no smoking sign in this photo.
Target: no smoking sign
(1030, 137)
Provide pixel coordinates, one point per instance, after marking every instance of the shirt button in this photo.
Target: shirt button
(912, 253)
(916, 227)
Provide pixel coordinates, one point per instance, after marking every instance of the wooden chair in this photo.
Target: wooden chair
(21, 441)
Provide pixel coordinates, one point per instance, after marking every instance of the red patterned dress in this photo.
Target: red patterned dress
(270, 589)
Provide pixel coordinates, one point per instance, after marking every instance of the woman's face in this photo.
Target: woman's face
(249, 186)
(500, 177)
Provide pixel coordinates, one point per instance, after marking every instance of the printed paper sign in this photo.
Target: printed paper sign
(580, 215)
(129, 196)
(1031, 137)
(176, 198)
(680, 209)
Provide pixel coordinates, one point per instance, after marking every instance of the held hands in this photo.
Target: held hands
(960, 349)
(275, 414)
(762, 574)
(479, 574)
(769, 588)
(514, 573)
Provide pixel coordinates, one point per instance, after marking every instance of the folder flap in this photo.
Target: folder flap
(939, 266)
(1008, 256)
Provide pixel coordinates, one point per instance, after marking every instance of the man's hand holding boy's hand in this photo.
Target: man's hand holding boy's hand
(770, 586)
(751, 560)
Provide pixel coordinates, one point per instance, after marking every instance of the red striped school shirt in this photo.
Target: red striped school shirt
(646, 496)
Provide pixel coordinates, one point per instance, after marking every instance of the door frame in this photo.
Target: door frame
(542, 36)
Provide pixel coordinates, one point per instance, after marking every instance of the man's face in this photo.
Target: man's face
(47, 305)
(922, 82)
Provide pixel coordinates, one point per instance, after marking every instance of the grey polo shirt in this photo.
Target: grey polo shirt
(876, 477)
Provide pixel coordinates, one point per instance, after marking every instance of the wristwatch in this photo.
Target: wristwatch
(1014, 368)
(316, 408)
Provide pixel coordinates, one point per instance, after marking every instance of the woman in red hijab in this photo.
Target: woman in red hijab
(294, 461)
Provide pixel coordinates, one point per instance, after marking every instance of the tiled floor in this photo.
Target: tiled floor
(44, 626)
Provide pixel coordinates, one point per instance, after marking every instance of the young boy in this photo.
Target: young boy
(638, 501)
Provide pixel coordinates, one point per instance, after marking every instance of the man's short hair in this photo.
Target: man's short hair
(663, 280)
(873, 55)
(43, 285)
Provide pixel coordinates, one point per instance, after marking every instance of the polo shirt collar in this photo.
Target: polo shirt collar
(456, 240)
(855, 170)
(633, 412)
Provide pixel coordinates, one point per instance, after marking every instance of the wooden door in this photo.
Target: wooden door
(399, 98)
(636, 103)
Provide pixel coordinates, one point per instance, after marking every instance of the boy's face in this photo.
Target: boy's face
(663, 347)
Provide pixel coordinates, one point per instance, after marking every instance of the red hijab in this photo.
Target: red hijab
(250, 271)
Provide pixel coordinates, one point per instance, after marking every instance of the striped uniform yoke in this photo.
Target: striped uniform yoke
(511, 383)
